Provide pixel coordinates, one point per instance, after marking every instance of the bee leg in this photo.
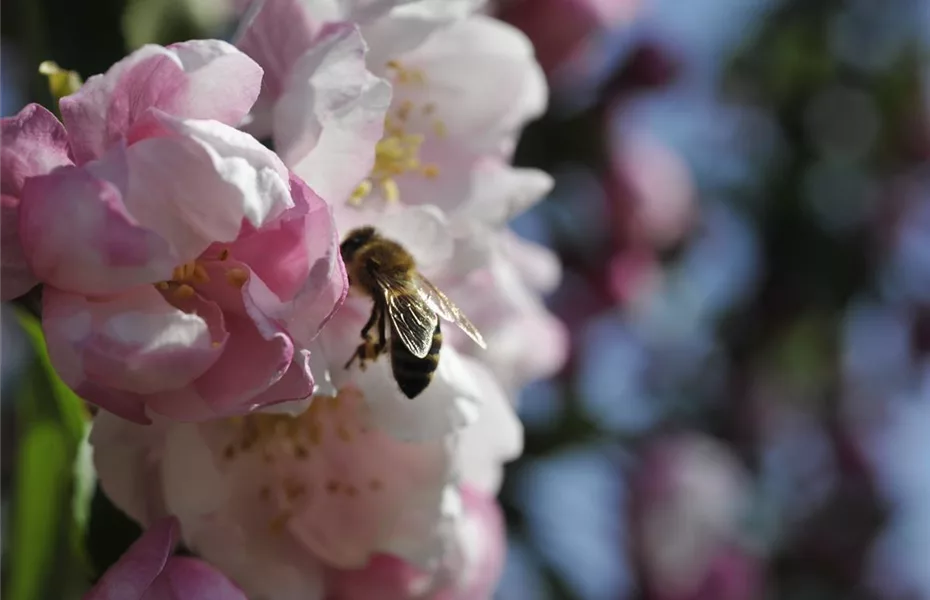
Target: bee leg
(375, 316)
(362, 354)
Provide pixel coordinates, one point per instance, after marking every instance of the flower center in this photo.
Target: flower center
(302, 459)
(398, 152)
(186, 276)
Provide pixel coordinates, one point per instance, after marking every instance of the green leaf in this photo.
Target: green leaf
(41, 489)
(52, 479)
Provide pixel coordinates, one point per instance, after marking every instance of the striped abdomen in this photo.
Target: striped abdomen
(411, 373)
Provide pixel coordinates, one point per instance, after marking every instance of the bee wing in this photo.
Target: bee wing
(445, 308)
(412, 319)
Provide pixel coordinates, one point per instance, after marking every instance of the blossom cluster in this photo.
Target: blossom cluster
(184, 220)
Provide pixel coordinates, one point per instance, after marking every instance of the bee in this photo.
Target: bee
(383, 270)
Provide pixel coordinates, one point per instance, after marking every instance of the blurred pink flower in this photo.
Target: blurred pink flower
(561, 30)
(287, 504)
(185, 270)
(148, 571)
(690, 495)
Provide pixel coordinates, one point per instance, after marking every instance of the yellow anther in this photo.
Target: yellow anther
(430, 171)
(183, 292)
(363, 189)
(237, 277)
(393, 64)
(162, 285)
(390, 190)
(216, 344)
(200, 274)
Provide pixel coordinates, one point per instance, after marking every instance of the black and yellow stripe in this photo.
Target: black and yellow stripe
(411, 373)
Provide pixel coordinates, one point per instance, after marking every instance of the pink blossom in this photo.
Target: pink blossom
(285, 504)
(185, 269)
(148, 571)
(689, 500)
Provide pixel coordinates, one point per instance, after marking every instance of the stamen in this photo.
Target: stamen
(390, 191)
(200, 274)
(224, 254)
(237, 277)
(183, 292)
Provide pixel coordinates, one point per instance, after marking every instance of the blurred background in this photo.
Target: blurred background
(742, 208)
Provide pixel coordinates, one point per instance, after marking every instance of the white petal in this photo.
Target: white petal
(331, 115)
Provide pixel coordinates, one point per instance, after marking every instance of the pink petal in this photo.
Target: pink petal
(194, 182)
(134, 342)
(203, 79)
(33, 143)
(295, 384)
(388, 495)
(331, 114)
(78, 235)
(137, 569)
(186, 578)
(256, 357)
(298, 258)
(278, 35)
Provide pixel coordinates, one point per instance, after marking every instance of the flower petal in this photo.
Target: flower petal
(408, 25)
(202, 79)
(78, 235)
(372, 493)
(186, 577)
(197, 180)
(473, 55)
(297, 257)
(254, 360)
(277, 36)
(495, 438)
(331, 114)
(137, 569)
(134, 342)
(125, 465)
(221, 521)
(450, 402)
(33, 143)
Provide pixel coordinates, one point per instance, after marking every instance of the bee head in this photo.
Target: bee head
(354, 240)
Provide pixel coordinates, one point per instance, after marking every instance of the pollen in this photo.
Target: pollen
(405, 131)
(236, 277)
(183, 292)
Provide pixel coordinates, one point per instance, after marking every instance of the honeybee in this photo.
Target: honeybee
(383, 270)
